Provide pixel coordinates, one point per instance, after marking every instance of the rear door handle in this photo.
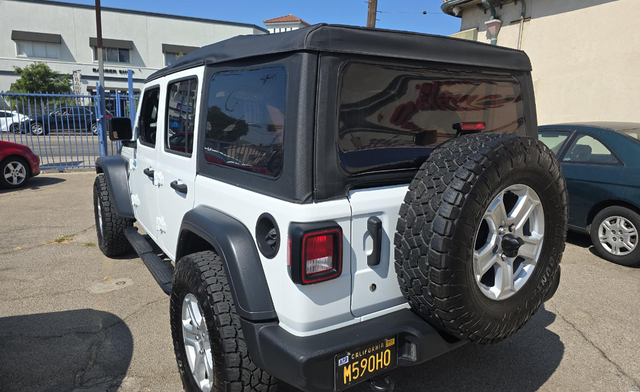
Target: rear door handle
(374, 227)
(182, 188)
(148, 172)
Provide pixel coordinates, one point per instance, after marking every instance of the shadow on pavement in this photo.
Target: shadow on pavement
(36, 183)
(522, 363)
(64, 351)
(579, 239)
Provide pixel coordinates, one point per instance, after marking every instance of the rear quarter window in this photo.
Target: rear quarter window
(392, 117)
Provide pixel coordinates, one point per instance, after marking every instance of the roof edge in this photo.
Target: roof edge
(447, 6)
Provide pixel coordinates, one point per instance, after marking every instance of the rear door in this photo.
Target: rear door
(391, 119)
(177, 158)
(142, 181)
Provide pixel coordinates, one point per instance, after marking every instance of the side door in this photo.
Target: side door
(177, 157)
(142, 181)
(593, 173)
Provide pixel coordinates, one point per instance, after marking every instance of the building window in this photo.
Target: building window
(38, 49)
(170, 58)
(113, 55)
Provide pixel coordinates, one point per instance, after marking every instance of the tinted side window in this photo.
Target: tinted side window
(245, 120)
(181, 109)
(554, 139)
(392, 117)
(586, 149)
(148, 121)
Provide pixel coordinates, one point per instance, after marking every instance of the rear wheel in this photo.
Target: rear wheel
(481, 234)
(94, 128)
(614, 233)
(15, 172)
(207, 336)
(109, 226)
(38, 129)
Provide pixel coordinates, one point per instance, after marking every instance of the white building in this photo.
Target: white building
(584, 53)
(64, 36)
(284, 23)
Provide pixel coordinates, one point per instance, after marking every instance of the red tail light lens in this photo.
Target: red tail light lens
(315, 254)
(470, 126)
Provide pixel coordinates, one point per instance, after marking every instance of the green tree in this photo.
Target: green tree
(39, 78)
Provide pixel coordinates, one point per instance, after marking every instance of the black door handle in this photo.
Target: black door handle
(374, 227)
(149, 172)
(182, 188)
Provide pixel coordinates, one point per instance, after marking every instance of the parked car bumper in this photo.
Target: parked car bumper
(308, 362)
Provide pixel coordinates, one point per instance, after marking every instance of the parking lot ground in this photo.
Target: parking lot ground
(74, 320)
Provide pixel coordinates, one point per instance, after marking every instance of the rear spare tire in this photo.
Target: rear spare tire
(480, 235)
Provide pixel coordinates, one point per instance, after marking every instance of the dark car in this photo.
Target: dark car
(74, 118)
(601, 162)
(17, 164)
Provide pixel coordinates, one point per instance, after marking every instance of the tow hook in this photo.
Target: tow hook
(382, 384)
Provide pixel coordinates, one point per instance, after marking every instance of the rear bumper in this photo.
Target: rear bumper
(308, 362)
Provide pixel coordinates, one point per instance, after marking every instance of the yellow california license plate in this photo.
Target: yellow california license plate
(365, 362)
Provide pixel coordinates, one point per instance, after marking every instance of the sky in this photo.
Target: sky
(397, 14)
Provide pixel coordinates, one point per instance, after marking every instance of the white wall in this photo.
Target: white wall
(585, 55)
(76, 25)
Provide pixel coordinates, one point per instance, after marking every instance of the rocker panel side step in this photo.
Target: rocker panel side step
(161, 271)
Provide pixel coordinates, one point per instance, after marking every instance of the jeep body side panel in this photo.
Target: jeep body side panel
(234, 243)
(302, 310)
(115, 169)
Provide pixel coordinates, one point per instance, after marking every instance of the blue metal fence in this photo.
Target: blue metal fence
(62, 129)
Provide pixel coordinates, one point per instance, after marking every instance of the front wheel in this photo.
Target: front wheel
(614, 233)
(38, 129)
(94, 128)
(15, 172)
(109, 226)
(207, 336)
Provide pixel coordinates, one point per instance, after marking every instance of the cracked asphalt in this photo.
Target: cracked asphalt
(74, 320)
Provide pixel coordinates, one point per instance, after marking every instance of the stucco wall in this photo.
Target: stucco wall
(585, 55)
(76, 25)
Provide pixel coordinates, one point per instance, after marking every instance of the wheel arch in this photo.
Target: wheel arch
(114, 168)
(608, 203)
(204, 228)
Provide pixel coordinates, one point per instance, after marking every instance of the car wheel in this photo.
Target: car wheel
(614, 233)
(94, 128)
(37, 129)
(481, 234)
(109, 226)
(16, 128)
(207, 337)
(15, 172)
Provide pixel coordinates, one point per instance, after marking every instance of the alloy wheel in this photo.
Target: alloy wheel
(196, 343)
(15, 173)
(508, 242)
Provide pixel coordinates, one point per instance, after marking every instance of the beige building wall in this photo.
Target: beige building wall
(585, 55)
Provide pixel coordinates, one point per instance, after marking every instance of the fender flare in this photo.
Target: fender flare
(115, 168)
(234, 243)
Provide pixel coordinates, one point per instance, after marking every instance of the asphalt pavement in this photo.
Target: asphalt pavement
(74, 320)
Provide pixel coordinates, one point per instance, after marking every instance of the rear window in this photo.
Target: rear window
(245, 120)
(392, 117)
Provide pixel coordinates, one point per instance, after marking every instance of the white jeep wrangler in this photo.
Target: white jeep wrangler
(326, 204)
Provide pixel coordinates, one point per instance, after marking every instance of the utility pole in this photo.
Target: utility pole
(372, 13)
(103, 123)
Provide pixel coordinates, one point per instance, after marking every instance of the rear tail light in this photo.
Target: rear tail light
(315, 252)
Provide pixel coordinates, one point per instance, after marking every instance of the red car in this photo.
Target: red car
(17, 164)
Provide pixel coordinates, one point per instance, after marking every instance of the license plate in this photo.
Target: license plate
(364, 362)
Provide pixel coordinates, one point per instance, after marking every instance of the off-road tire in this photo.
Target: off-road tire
(110, 229)
(438, 222)
(202, 275)
(632, 259)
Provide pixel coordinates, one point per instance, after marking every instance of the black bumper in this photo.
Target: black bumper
(308, 362)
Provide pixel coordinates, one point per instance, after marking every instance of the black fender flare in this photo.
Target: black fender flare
(115, 169)
(233, 242)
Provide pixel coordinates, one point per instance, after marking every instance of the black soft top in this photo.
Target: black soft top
(355, 40)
